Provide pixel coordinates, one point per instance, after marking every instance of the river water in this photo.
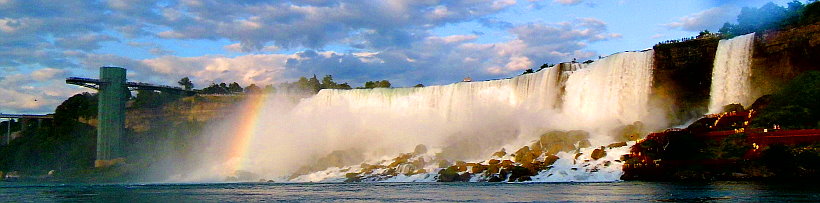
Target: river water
(413, 192)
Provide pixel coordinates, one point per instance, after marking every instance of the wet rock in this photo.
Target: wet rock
(584, 144)
(450, 174)
(549, 160)
(733, 107)
(616, 145)
(524, 155)
(506, 163)
(501, 153)
(519, 173)
(406, 169)
(630, 132)
(352, 177)
(443, 163)
(420, 149)
(401, 159)
(419, 163)
(598, 153)
(338, 158)
(495, 178)
(478, 169)
(493, 161)
(563, 141)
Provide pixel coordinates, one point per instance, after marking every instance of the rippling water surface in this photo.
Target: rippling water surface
(423, 192)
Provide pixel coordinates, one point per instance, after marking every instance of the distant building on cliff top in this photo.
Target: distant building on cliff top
(467, 79)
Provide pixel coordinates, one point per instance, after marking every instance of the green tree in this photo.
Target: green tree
(253, 89)
(327, 82)
(369, 85)
(235, 88)
(314, 84)
(419, 85)
(270, 89)
(186, 83)
(383, 84)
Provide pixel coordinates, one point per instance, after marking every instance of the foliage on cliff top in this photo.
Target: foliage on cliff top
(771, 17)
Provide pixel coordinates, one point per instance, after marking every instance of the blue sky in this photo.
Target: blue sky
(266, 42)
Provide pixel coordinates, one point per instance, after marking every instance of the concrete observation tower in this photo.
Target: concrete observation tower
(113, 92)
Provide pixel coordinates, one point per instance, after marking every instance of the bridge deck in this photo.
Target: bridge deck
(27, 116)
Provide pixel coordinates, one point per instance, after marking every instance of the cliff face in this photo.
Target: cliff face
(196, 108)
(683, 75)
(781, 55)
(683, 71)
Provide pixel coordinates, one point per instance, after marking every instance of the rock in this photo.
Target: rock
(500, 154)
(523, 178)
(419, 163)
(549, 160)
(338, 158)
(420, 149)
(401, 159)
(559, 141)
(598, 153)
(631, 132)
(517, 172)
(406, 169)
(740, 175)
(495, 178)
(443, 163)
(478, 169)
(450, 174)
(352, 177)
(523, 155)
(506, 163)
(493, 161)
(616, 145)
(584, 144)
(733, 107)
(536, 149)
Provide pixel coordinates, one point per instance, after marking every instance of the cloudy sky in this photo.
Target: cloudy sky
(265, 42)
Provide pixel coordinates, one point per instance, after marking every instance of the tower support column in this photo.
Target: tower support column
(111, 114)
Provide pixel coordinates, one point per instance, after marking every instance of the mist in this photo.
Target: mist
(463, 121)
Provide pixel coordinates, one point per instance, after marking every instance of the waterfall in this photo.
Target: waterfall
(595, 97)
(466, 121)
(615, 88)
(731, 73)
(535, 91)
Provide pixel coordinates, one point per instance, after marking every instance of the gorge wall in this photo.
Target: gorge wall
(683, 71)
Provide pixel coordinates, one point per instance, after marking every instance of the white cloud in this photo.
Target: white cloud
(47, 74)
(568, 2)
(711, 19)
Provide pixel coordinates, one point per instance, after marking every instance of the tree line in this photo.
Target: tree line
(303, 84)
(772, 16)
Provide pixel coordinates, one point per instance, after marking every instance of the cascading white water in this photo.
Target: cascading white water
(613, 89)
(461, 121)
(731, 73)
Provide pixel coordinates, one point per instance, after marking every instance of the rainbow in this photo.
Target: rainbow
(250, 116)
